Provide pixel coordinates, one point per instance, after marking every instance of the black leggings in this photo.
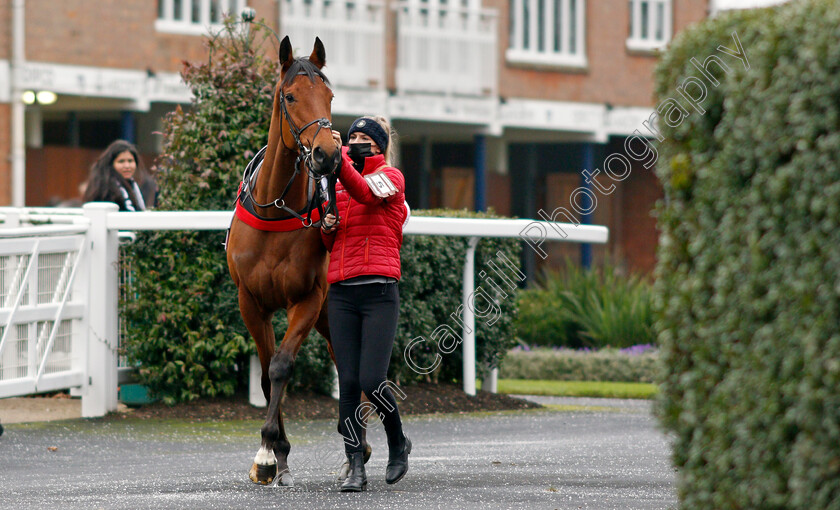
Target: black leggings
(363, 325)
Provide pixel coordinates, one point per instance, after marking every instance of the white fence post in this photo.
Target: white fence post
(469, 318)
(99, 393)
(255, 393)
(335, 393)
(490, 382)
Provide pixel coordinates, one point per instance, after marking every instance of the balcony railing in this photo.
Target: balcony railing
(353, 33)
(446, 48)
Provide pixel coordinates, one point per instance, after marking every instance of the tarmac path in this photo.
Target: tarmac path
(577, 454)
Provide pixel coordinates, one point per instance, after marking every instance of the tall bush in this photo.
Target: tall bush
(747, 275)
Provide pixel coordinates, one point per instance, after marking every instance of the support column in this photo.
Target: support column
(480, 173)
(18, 122)
(127, 131)
(73, 135)
(529, 261)
(490, 383)
(586, 219)
(425, 173)
(255, 393)
(469, 318)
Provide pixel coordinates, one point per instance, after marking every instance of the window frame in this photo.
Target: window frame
(186, 25)
(635, 41)
(545, 23)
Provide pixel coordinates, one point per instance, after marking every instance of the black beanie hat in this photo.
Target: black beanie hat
(371, 128)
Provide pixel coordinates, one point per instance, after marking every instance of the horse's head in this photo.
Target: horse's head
(304, 97)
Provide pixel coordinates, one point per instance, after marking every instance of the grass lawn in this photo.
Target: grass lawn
(576, 388)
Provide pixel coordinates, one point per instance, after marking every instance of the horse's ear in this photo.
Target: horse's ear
(286, 57)
(319, 55)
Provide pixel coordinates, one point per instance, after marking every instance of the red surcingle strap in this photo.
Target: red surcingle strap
(280, 225)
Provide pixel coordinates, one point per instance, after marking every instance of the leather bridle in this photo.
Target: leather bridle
(304, 156)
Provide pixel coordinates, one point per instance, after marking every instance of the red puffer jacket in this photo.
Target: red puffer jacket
(369, 234)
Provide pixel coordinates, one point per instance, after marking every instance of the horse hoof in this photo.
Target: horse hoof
(344, 471)
(263, 474)
(286, 479)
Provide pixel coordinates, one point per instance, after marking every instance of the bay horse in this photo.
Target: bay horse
(285, 267)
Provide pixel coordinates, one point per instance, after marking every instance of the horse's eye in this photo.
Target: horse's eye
(290, 98)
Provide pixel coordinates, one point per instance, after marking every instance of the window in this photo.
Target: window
(195, 16)
(650, 24)
(547, 32)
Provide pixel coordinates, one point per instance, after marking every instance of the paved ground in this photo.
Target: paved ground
(22, 409)
(575, 455)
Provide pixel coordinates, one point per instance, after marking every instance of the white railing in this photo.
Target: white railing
(68, 273)
(37, 276)
(57, 305)
(353, 33)
(445, 48)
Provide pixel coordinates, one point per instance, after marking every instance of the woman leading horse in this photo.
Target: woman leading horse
(364, 301)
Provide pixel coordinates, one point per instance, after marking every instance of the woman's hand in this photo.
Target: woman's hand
(336, 137)
(328, 224)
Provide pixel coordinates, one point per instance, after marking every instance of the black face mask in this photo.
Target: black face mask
(358, 152)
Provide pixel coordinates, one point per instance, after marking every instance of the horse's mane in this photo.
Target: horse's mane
(303, 66)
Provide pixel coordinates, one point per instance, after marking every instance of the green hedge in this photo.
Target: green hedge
(577, 307)
(577, 365)
(747, 275)
(431, 291)
(184, 328)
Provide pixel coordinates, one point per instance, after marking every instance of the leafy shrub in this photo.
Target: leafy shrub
(578, 307)
(431, 291)
(748, 264)
(541, 321)
(621, 365)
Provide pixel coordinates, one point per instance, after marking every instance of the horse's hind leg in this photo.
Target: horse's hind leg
(322, 326)
(301, 318)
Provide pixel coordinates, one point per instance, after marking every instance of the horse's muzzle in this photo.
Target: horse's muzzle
(324, 163)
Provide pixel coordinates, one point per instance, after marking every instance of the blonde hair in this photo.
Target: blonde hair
(391, 153)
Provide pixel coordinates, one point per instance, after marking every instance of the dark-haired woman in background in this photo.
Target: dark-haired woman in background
(112, 177)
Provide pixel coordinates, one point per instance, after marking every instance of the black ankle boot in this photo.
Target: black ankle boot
(356, 480)
(398, 463)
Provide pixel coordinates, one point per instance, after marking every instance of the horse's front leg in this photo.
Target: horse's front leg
(264, 469)
(275, 444)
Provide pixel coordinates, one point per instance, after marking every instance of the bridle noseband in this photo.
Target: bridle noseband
(304, 156)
